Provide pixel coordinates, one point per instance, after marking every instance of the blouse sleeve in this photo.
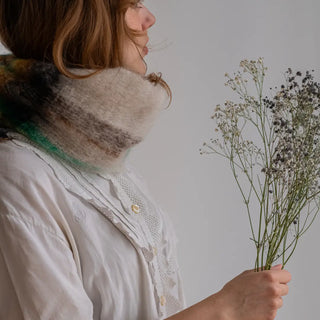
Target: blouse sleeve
(38, 275)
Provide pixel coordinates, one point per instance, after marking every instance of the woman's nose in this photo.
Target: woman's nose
(149, 20)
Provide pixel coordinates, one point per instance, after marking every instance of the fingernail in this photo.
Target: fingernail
(278, 265)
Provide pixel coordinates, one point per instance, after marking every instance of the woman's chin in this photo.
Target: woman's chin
(140, 67)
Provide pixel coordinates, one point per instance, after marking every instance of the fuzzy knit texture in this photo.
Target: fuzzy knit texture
(91, 123)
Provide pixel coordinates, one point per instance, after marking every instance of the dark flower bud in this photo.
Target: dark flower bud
(283, 123)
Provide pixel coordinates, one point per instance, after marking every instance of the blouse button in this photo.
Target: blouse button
(135, 208)
(162, 300)
(155, 251)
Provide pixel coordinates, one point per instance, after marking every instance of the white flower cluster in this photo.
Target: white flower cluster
(281, 161)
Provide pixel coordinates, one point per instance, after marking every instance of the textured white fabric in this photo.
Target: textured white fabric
(73, 246)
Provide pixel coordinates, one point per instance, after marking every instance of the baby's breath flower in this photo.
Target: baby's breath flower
(274, 143)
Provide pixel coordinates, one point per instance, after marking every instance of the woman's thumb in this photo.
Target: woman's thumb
(277, 267)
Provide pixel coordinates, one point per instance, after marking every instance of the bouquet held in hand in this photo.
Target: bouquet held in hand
(273, 147)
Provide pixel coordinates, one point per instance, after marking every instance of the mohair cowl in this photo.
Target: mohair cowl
(91, 123)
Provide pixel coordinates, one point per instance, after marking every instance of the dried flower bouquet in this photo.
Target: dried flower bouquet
(279, 169)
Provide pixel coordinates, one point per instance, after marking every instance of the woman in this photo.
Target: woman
(80, 235)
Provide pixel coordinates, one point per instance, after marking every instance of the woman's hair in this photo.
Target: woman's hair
(69, 33)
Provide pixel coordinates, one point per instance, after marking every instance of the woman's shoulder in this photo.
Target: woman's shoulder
(29, 190)
(24, 175)
(18, 161)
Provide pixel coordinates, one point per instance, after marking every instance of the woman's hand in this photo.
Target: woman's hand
(249, 296)
(254, 295)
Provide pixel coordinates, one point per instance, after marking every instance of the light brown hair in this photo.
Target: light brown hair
(71, 34)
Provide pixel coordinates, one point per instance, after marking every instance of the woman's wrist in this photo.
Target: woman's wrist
(217, 306)
(211, 308)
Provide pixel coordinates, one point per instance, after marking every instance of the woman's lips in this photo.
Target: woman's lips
(145, 50)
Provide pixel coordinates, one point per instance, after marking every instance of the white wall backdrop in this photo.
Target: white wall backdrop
(194, 44)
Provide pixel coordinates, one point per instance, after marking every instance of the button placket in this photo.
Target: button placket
(137, 204)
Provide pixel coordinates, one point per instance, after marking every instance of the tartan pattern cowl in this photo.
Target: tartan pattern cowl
(90, 123)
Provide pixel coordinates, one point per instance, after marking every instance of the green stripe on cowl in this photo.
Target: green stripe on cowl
(32, 132)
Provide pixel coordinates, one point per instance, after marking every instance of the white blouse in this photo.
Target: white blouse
(81, 246)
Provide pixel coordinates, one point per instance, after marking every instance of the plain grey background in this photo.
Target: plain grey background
(193, 44)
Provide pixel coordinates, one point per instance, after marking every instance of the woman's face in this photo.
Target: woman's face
(138, 18)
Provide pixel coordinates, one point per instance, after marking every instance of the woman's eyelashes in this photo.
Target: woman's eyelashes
(139, 4)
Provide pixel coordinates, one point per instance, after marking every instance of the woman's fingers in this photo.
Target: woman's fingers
(262, 292)
(284, 290)
(279, 303)
(282, 276)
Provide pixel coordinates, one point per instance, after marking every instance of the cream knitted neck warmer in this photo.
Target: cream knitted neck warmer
(90, 123)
